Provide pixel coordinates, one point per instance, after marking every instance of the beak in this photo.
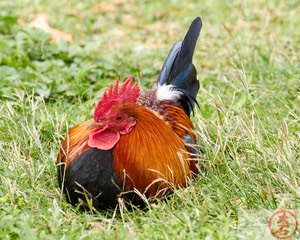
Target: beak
(94, 124)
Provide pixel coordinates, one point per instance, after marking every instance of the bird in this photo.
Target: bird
(139, 144)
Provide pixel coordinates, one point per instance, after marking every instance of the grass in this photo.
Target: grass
(248, 124)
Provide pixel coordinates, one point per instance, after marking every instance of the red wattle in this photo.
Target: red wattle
(103, 139)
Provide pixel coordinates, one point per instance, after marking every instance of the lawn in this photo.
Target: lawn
(248, 122)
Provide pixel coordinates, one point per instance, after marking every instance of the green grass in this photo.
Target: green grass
(248, 124)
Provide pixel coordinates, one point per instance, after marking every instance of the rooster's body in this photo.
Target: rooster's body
(137, 143)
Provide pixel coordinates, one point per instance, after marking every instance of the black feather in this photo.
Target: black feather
(178, 69)
(91, 175)
(185, 55)
(165, 71)
(187, 101)
(190, 144)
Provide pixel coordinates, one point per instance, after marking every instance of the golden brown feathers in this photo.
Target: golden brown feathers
(74, 144)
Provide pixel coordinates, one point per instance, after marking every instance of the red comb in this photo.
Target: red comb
(127, 93)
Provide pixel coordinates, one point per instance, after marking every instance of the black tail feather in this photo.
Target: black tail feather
(185, 56)
(178, 69)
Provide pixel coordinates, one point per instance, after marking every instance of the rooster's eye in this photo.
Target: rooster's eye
(119, 118)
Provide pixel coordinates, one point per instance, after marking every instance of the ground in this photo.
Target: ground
(248, 122)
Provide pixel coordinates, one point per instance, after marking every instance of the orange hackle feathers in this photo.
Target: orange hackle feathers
(153, 149)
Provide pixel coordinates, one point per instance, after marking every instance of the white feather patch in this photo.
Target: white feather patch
(167, 92)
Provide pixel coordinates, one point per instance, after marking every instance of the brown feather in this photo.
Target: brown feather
(151, 151)
(181, 125)
(171, 111)
(74, 144)
(180, 122)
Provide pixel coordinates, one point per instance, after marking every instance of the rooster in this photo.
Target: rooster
(138, 144)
